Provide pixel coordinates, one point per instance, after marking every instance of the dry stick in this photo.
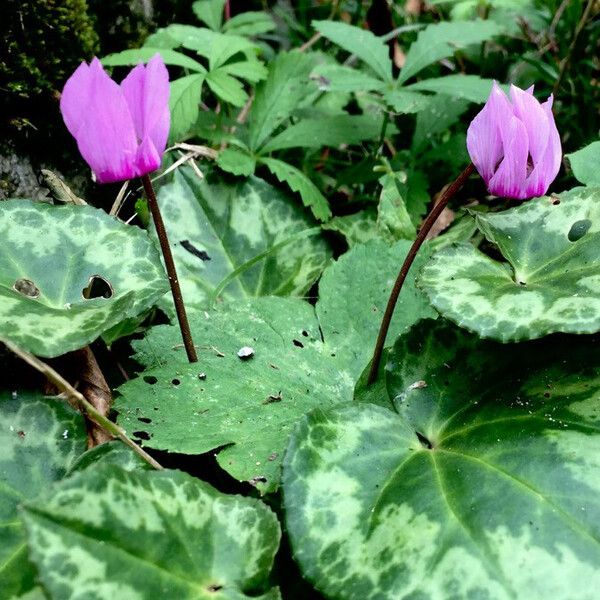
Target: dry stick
(81, 401)
(184, 325)
(408, 261)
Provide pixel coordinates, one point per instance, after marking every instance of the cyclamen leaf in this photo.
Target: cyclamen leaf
(40, 438)
(368, 47)
(276, 98)
(393, 220)
(49, 256)
(441, 40)
(299, 182)
(549, 283)
(585, 163)
(489, 460)
(111, 533)
(357, 228)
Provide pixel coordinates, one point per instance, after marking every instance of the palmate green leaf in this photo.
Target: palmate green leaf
(108, 533)
(184, 104)
(217, 227)
(441, 40)
(139, 55)
(483, 484)
(550, 282)
(236, 161)
(440, 113)
(250, 23)
(369, 48)
(339, 78)
(585, 163)
(406, 101)
(353, 293)
(227, 88)
(40, 438)
(468, 87)
(299, 182)
(210, 12)
(328, 131)
(287, 84)
(246, 408)
(50, 253)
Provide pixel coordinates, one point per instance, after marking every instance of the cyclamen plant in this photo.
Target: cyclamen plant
(122, 132)
(516, 149)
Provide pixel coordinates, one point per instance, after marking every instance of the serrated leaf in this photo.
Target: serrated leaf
(250, 23)
(406, 102)
(467, 87)
(299, 182)
(40, 438)
(357, 228)
(368, 47)
(585, 163)
(440, 113)
(226, 87)
(490, 462)
(250, 70)
(549, 283)
(184, 103)
(338, 78)
(328, 131)
(353, 293)
(138, 55)
(393, 221)
(50, 254)
(236, 162)
(441, 40)
(108, 533)
(210, 12)
(218, 227)
(286, 85)
(246, 407)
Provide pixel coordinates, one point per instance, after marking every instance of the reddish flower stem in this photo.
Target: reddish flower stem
(184, 325)
(408, 261)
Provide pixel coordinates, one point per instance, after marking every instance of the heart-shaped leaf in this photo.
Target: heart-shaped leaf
(107, 532)
(217, 228)
(550, 282)
(262, 366)
(40, 438)
(483, 484)
(50, 256)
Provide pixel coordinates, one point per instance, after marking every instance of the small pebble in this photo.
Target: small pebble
(245, 353)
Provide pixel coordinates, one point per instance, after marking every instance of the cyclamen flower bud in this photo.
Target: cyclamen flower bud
(121, 131)
(515, 146)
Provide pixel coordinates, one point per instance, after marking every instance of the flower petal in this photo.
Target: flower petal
(509, 179)
(97, 115)
(147, 158)
(546, 169)
(534, 117)
(484, 140)
(146, 90)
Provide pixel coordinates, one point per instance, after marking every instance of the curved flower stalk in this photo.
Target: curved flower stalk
(514, 144)
(121, 130)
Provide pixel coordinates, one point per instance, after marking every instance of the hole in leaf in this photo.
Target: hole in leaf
(150, 379)
(97, 287)
(175, 381)
(556, 202)
(214, 587)
(298, 343)
(305, 333)
(27, 288)
(424, 441)
(141, 435)
(144, 419)
(578, 230)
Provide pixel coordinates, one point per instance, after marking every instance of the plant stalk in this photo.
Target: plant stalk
(80, 401)
(408, 261)
(184, 324)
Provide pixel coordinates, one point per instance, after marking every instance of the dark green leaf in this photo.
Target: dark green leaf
(236, 161)
(467, 87)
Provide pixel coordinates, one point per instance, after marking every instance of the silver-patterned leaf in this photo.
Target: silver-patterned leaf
(550, 282)
(48, 257)
(107, 533)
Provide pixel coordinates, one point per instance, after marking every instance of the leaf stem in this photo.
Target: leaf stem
(81, 401)
(184, 325)
(408, 261)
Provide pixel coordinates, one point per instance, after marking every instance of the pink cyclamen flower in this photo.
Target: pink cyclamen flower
(121, 131)
(514, 144)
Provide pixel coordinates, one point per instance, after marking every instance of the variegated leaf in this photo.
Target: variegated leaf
(549, 283)
(107, 533)
(483, 483)
(48, 257)
(39, 439)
